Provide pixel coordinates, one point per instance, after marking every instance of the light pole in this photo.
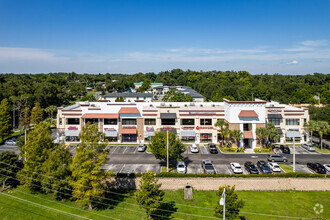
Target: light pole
(167, 150)
(252, 96)
(223, 203)
(294, 155)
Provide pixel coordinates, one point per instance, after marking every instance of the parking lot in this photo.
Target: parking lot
(201, 150)
(132, 168)
(300, 150)
(122, 149)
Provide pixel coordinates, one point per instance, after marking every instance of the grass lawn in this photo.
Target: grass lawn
(286, 168)
(325, 151)
(286, 203)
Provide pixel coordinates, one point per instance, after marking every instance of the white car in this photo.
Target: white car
(327, 167)
(10, 142)
(236, 167)
(181, 167)
(194, 148)
(274, 167)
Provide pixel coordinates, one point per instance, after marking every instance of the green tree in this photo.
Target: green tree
(158, 146)
(89, 97)
(8, 166)
(50, 110)
(25, 118)
(145, 85)
(5, 125)
(57, 173)
(149, 196)
(88, 180)
(262, 134)
(310, 127)
(36, 114)
(273, 135)
(36, 152)
(237, 135)
(233, 203)
(222, 125)
(322, 127)
(119, 99)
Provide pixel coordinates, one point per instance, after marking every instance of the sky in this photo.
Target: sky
(124, 36)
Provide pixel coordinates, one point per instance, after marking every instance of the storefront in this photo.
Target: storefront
(72, 136)
(111, 135)
(128, 134)
(188, 136)
(206, 137)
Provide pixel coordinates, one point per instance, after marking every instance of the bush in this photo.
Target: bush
(260, 150)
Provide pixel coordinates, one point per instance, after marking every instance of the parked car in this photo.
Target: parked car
(236, 168)
(327, 167)
(276, 158)
(10, 142)
(274, 167)
(213, 148)
(263, 166)
(207, 166)
(251, 168)
(142, 147)
(285, 149)
(194, 148)
(308, 147)
(317, 167)
(181, 167)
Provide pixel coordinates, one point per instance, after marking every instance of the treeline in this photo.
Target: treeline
(60, 88)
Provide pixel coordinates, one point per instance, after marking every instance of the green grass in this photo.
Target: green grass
(283, 203)
(286, 168)
(325, 151)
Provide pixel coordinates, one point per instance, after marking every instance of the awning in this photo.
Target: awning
(130, 115)
(72, 133)
(129, 110)
(172, 130)
(111, 133)
(292, 134)
(248, 134)
(187, 133)
(248, 114)
(167, 115)
(275, 116)
(91, 115)
(128, 131)
(279, 131)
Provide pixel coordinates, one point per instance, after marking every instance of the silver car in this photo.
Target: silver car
(181, 167)
(308, 147)
(194, 148)
(10, 142)
(141, 148)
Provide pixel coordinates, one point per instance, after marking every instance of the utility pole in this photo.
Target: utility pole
(294, 156)
(252, 96)
(167, 150)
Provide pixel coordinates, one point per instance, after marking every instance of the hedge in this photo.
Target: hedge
(192, 175)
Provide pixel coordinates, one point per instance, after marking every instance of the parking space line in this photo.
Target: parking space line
(122, 169)
(229, 171)
(136, 150)
(115, 149)
(125, 149)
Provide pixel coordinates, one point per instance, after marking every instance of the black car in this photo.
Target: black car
(285, 149)
(263, 166)
(213, 148)
(251, 168)
(317, 167)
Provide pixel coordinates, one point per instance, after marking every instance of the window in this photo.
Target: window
(91, 120)
(305, 120)
(189, 121)
(168, 121)
(110, 121)
(128, 121)
(274, 121)
(60, 121)
(206, 121)
(150, 121)
(72, 121)
(292, 122)
(245, 127)
(206, 137)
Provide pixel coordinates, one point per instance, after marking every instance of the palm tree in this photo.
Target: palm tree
(226, 133)
(50, 110)
(237, 135)
(262, 134)
(223, 127)
(322, 127)
(273, 134)
(310, 126)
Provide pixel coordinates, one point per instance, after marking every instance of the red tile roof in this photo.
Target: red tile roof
(248, 113)
(96, 115)
(129, 110)
(248, 134)
(128, 131)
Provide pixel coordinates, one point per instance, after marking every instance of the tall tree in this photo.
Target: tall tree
(310, 127)
(273, 134)
(222, 125)
(262, 134)
(5, 125)
(36, 114)
(57, 173)
(322, 127)
(50, 110)
(233, 203)
(8, 166)
(149, 196)
(87, 177)
(237, 135)
(145, 85)
(36, 152)
(158, 146)
(25, 118)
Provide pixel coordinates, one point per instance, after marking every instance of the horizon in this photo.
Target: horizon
(260, 37)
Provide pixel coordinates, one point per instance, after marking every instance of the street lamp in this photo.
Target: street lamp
(293, 134)
(222, 202)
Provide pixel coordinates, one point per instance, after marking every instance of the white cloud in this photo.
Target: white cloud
(293, 62)
(315, 43)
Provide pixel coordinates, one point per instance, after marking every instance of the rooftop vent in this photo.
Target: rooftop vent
(151, 105)
(185, 105)
(162, 104)
(201, 105)
(192, 104)
(213, 105)
(170, 105)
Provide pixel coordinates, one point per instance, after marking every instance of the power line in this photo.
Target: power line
(46, 207)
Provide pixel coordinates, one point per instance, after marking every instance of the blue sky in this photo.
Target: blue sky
(100, 36)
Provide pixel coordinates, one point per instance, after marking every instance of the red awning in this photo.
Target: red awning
(91, 115)
(128, 131)
(248, 114)
(248, 134)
